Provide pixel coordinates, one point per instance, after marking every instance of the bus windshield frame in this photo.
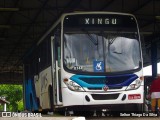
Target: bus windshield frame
(101, 48)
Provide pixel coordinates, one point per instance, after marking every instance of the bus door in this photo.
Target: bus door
(56, 71)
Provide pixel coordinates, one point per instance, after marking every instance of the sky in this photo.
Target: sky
(148, 70)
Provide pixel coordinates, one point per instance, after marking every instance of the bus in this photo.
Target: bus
(86, 62)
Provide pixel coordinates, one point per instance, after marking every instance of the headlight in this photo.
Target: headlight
(134, 85)
(72, 85)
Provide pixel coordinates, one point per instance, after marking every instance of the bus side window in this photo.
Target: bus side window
(58, 47)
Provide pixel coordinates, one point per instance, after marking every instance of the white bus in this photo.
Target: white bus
(86, 61)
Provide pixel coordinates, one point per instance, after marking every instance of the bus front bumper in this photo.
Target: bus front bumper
(72, 98)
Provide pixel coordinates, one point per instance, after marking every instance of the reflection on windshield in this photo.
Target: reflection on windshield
(100, 52)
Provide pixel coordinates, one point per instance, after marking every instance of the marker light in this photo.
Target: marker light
(142, 78)
(134, 85)
(72, 85)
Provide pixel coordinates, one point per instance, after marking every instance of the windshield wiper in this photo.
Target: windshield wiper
(93, 40)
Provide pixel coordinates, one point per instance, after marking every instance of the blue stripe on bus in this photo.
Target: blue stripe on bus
(100, 81)
(30, 94)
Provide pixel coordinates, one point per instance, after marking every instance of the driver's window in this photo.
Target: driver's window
(59, 56)
(57, 45)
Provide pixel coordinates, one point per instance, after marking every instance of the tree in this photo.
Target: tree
(13, 94)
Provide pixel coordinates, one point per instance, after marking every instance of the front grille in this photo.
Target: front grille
(110, 88)
(105, 96)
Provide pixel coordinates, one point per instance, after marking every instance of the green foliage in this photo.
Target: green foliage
(13, 94)
(20, 105)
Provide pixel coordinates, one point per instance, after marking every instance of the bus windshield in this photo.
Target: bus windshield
(101, 50)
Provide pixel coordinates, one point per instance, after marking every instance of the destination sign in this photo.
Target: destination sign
(99, 20)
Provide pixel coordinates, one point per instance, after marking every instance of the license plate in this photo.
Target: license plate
(134, 96)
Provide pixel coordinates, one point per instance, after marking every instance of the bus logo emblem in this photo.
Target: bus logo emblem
(105, 88)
